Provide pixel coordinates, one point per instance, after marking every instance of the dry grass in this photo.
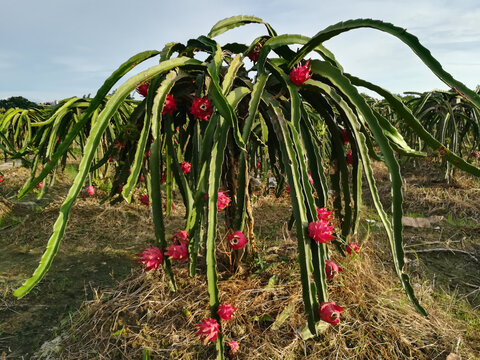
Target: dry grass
(425, 191)
(377, 322)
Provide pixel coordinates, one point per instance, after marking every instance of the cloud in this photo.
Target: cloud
(78, 64)
(7, 60)
(58, 47)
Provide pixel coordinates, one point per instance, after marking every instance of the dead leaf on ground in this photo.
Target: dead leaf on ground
(453, 356)
(421, 222)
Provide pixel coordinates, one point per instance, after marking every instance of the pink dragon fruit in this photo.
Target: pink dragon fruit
(143, 89)
(180, 235)
(300, 73)
(353, 248)
(223, 201)
(332, 269)
(91, 190)
(201, 108)
(320, 231)
(325, 214)
(186, 167)
(330, 312)
(208, 330)
(178, 251)
(225, 311)
(170, 105)
(144, 199)
(151, 257)
(237, 240)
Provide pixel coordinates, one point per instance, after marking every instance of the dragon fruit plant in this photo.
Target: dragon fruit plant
(452, 119)
(296, 110)
(16, 129)
(34, 135)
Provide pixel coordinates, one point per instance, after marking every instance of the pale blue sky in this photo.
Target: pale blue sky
(54, 49)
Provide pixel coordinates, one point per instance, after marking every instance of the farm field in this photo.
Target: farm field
(243, 200)
(97, 303)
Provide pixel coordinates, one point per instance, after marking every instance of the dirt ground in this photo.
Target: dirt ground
(450, 248)
(97, 251)
(96, 258)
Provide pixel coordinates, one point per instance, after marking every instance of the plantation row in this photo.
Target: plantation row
(210, 130)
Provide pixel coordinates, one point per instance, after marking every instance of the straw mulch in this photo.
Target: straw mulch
(378, 322)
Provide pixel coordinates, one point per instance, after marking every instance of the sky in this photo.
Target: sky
(55, 49)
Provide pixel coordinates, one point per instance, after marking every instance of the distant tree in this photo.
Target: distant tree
(17, 101)
(129, 96)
